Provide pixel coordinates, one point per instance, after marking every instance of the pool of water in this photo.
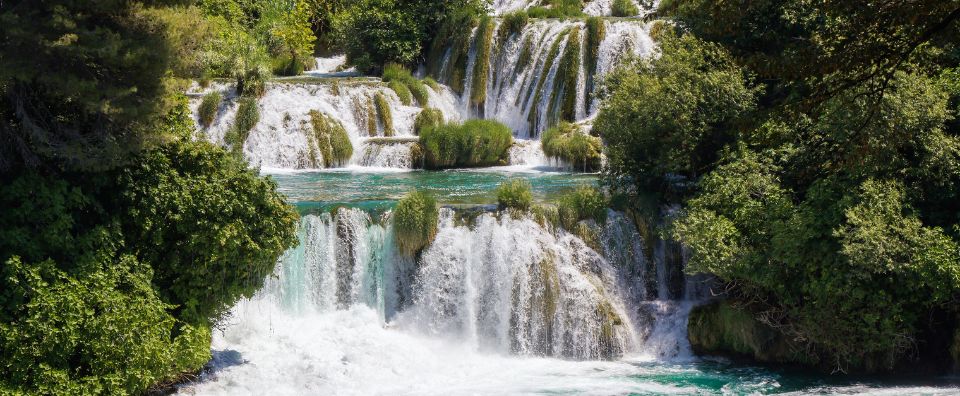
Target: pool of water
(448, 187)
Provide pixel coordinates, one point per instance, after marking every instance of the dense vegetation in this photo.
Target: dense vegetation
(122, 240)
(571, 144)
(415, 222)
(471, 144)
(818, 169)
(514, 194)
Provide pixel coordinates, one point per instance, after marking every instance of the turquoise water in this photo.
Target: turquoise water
(352, 352)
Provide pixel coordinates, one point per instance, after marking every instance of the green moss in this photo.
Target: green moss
(430, 82)
(526, 53)
(371, 118)
(253, 82)
(514, 194)
(609, 319)
(565, 89)
(596, 31)
(557, 9)
(209, 107)
(331, 139)
(569, 143)
(415, 222)
(624, 8)
(402, 92)
(724, 329)
(481, 65)
(383, 112)
(471, 144)
(551, 290)
(582, 204)
(248, 114)
(427, 118)
(545, 215)
(416, 155)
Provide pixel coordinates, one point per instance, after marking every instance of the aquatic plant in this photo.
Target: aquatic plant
(427, 118)
(568, 142)
(331, 139)
(384, 114)
(208, 108)
(415, 222)
(582, 204)
(471, 144)
(514, 194)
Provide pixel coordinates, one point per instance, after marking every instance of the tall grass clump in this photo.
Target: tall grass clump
(383, 112)
(331, 139)
(471, 144)
(481, 64)
(582, 204)
(557, 9)
(208, 108)
(427, 118)
(407, 87)
(512, 23)
(624, 8)
(567, 74)
(568, 142)
(248, 115)
(415, 222)
(596, 31)
(514, 194)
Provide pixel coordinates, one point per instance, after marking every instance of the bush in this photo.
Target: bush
(624, 8)
(569, 143)
(248, 115)
(209, 107)
(376, 32)
(253, 83)
(514, 194)
(405, 85)
(415, 222)
(331, 140)
(582, 204)
(427, 118)
(512, 23)
(471, 144)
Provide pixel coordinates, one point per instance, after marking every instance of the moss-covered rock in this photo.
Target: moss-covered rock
(384, 114)
(402, 92)
(415, 222)
(481, 66)
(721, 328)
(248, 115)
(582, 204)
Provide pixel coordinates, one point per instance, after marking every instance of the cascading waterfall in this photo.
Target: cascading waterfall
(532, 72)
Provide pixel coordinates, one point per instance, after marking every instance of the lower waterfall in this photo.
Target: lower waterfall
(493, 291)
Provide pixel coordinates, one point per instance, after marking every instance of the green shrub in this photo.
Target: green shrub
(253, 82)
(419, 91)
(402, 92)
(248, 114)
(624, 8)
(383, 112)
(415, 222)
(569, 143)
(471, 144)
(582, 204)
(331, 139)
(514, 194)
(208, 108)
(427, 118)
(512, 23)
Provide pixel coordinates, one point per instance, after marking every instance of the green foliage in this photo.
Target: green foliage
(203, 264)
(331, 139)
(723, 328)
(427, 118)
(624, 8)
(384, 114)
(668, 115)
(415, 222)
(596, 31)
(99, 329)
(86, 81)
(248, 115)
(209, 107)
(471, 144)
(512, 23)
(582, 204)
(569, 143)
(430, 82)
(289, 35)
(557, 9)
(565, 93)
(454, 35)
(514, 194)
(253, 82)
(375, 32)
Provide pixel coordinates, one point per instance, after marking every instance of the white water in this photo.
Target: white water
(346, 314)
